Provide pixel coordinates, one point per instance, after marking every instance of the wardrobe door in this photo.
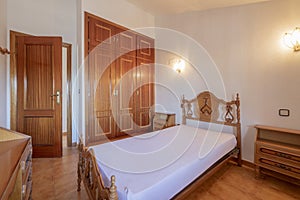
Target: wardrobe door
(125, 81)
(144, 94)
(101, 72)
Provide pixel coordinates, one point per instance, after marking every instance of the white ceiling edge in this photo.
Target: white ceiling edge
(159, 7)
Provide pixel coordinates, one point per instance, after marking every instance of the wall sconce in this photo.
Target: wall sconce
(292, 40)
(178, 65)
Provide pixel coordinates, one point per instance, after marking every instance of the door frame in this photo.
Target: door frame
(13, 84)
(69, 93)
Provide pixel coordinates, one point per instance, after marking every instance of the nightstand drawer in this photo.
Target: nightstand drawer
(288, 155)
(279, 167)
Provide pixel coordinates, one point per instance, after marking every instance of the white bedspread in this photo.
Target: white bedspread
(160, 164)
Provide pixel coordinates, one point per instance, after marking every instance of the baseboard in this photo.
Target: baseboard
(245, 163)
(248, 164)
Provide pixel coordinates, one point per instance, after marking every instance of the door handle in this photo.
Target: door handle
(57, 95)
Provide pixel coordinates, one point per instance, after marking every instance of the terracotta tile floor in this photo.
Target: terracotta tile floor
(56, 179)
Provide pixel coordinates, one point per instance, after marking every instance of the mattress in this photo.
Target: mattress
(160, 164)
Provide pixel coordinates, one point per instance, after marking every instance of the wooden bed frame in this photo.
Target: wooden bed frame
(205, 107)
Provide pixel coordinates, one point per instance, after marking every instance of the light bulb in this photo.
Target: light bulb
(296, 36)
(288, 40)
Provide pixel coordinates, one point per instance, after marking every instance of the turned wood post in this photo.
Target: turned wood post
(113, 194)
(239, 134)
(183, 110)
(79, 166)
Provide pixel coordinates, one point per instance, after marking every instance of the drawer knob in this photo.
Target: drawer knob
(283, 167)
(23, 190)
(283, 155)
(23, 166)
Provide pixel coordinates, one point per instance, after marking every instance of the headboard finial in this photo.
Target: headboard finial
(237, 100)
(238, 112)
(183, 110)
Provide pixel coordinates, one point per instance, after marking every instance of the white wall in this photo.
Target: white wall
(3, 69)
(245, 42)
(55, 18)
(118, 11)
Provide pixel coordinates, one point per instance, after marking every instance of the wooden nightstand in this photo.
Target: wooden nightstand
(277, 153)
(163, 120)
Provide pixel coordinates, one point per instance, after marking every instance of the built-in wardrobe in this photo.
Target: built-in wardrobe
(120, 80)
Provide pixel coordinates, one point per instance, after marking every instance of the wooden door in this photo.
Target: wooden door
(39, 86)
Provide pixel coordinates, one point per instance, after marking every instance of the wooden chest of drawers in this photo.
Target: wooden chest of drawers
(277, 153)
(163, 120)
(26, 171)
(15, 168)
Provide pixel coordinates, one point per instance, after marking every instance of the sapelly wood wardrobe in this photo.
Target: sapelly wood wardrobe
(120, 80)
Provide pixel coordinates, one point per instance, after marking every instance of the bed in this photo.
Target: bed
(165, 164)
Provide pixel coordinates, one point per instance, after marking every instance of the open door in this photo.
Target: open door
(39, 86)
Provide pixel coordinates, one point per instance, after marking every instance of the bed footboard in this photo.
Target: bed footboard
(88, 172)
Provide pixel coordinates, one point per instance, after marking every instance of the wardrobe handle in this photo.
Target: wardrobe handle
(115, 92)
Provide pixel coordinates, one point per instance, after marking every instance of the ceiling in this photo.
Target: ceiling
(157, 7)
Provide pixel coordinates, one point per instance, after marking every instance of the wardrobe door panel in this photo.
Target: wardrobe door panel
(101, 33)
(126, 43)
(145, 47)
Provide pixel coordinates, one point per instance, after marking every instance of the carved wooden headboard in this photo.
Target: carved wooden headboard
(208, 108)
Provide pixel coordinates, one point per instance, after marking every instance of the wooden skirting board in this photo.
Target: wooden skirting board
(245, 163)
